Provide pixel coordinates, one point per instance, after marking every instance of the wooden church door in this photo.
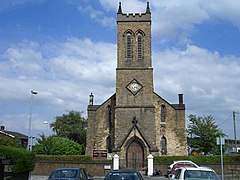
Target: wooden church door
(135, 156)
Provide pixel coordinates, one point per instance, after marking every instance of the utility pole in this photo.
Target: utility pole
(234, 125)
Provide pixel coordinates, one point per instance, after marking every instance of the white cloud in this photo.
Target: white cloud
(224, 10)
(75, 68)
(85, 60)
(208, 81)
(176, 20)
(98, 16)
(24, 58)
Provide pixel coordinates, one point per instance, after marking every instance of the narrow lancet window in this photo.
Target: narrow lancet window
(129, 46)
(139, 46)
(164, 145)
(108, 143)
(163, 113)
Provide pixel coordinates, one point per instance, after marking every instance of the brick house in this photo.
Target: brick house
(20, 139)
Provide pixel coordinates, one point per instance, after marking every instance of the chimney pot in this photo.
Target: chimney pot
(180, 96)
(2, 128)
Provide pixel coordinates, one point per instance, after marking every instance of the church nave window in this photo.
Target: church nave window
(163, 114)
(164, 145)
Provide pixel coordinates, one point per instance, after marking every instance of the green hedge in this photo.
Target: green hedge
(23, 160)
(228, 159)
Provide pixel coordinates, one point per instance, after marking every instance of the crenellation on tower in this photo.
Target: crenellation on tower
(134, 17)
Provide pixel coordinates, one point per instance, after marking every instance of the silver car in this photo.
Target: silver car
(200, 173)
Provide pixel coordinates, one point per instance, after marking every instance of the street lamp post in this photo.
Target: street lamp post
(235, 134)
(29, 147)
(46, 123)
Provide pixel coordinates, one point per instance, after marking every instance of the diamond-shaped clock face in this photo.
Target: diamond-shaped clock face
(134, 87)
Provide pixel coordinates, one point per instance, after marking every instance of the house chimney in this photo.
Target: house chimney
(180, 97)
(2, 128)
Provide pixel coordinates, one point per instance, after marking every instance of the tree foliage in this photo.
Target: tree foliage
(72, 126)
(203, 133)
(22, 159)
(10, 142)
(54, 145)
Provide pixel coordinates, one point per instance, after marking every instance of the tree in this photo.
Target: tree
(9, 141)
(54, 145)
(72, 126)
(203, 133)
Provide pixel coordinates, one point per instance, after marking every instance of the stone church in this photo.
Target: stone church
(135, 121)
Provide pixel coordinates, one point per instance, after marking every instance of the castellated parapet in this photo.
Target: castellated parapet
(134, 17)
(138, 17)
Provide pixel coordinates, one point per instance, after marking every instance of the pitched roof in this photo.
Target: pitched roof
(13, 134)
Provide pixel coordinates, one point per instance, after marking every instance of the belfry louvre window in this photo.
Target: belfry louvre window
(139, 46)
(129, 46)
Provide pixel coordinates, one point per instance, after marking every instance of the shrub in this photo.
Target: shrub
(54, 145)
(22, 159)
(228, 159)
(79, 158)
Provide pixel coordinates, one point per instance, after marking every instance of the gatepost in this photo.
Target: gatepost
(115, 162)
(150, 165)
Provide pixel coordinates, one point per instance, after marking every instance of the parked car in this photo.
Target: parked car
(69, 174)
(182, 162)
(175, 166)
(232, 153)
(200, 173)
(124, 175)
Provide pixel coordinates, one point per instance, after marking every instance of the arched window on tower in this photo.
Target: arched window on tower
(139, 46)
(163, 113)
(129, 46)
(164, 145)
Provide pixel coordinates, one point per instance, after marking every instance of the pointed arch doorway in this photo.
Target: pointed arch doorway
(135, 155)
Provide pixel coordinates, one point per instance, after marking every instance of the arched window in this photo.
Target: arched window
(164, 145)
(163, 113)
(139, 46)
(129, 46)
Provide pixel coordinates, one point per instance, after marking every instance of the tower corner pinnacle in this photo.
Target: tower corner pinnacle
(148, 9)
(119, 8)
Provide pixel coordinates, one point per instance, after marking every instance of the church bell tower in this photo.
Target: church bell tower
(134, 73)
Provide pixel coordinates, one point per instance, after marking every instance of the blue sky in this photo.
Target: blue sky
(66, 49)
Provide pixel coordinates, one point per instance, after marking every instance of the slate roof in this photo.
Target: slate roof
(14, 134)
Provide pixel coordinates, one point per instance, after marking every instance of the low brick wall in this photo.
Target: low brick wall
(99, 168)
(46, 167)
